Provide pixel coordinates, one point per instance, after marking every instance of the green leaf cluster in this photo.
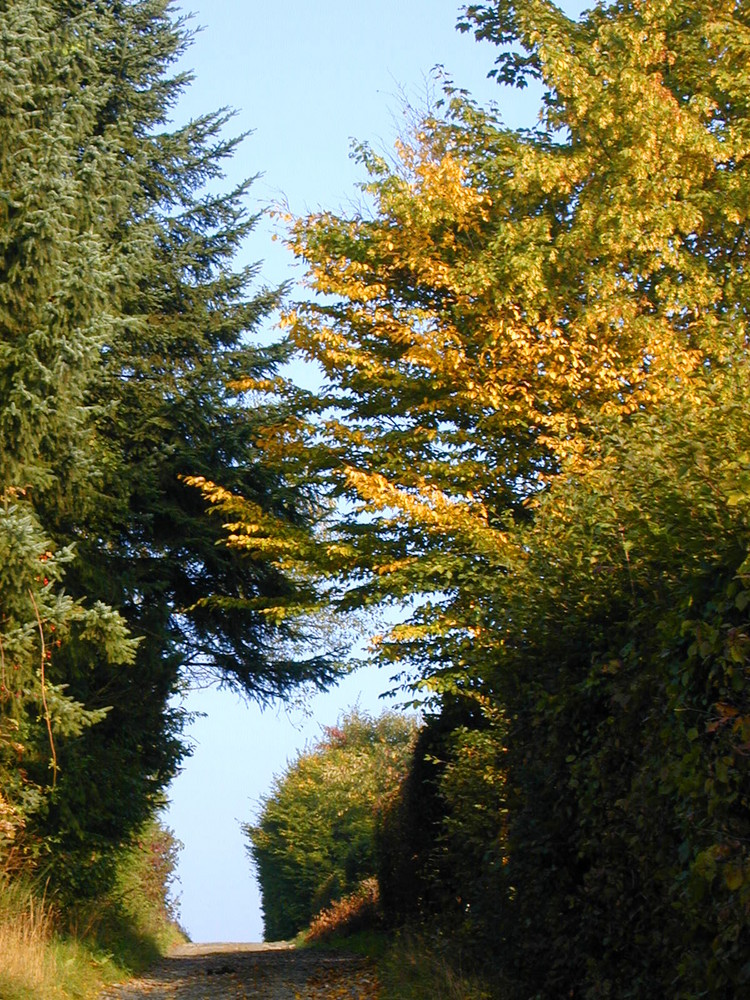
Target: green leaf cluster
(623, 668)
(442, 835)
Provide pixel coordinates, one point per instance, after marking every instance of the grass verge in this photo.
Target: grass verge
(71, 953)
(36, 963)
(414, 968)
(39, 962)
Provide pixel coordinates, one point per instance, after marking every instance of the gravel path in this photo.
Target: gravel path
(251, 972)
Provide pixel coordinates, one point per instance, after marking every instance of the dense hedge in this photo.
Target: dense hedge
(313, 842)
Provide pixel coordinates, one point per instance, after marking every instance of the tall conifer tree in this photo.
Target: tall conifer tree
(124, 327)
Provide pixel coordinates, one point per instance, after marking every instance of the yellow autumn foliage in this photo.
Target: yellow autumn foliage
(503, 297)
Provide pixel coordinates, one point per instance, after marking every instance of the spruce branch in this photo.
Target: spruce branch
(47, 716)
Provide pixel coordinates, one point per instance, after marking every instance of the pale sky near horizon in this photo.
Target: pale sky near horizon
(307, 78)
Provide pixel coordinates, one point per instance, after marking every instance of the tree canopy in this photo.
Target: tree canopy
(533, 432)
(123, 331)
(508, 295)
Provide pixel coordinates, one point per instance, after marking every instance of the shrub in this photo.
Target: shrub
(314, 841)
(442, 835)
(358, 911)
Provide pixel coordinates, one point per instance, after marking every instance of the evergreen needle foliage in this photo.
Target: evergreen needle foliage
(124, 330)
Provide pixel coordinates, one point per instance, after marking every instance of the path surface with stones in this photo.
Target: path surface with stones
(251, 972)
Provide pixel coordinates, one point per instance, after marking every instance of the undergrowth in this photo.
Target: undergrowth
(410, 964)
(36, 961)
(414, 968)
(53, 952)
(357, 911)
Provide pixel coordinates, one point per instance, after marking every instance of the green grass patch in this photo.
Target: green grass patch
(410, 964)
(369, 942)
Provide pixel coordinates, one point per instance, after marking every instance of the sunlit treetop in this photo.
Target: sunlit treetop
(503, 296)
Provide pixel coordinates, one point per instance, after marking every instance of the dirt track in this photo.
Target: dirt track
(248, 971)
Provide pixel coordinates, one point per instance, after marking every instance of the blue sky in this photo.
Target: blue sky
(306, 78)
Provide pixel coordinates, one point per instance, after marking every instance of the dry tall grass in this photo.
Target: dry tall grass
(358, 911)
(35, 962)
(26, 966)
(48, 953)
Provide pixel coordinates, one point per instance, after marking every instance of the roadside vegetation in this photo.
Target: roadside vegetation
(123, 324)
(409, 965)
(313, 843)
(531, 436)
(533, 432)
(332, 831)
(50, 953)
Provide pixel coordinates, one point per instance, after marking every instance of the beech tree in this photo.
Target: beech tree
(535, 351)
(509, 293)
